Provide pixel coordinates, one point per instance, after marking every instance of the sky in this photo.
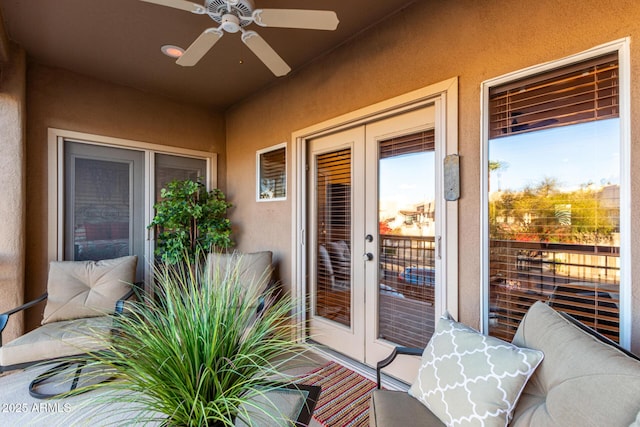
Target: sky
(406, 180)
(578, 154)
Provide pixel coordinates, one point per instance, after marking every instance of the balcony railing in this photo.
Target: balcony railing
(582, 280)
(407, 279)
(407, 265)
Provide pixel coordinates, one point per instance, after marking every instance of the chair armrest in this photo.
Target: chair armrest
(396, 351)
(4, 317)
(132, 292)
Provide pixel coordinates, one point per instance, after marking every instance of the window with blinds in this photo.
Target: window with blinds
(554, 196)
(272, 173)
(579, 93)
(333, 213)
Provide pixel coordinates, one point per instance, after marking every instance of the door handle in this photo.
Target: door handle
(368, 256)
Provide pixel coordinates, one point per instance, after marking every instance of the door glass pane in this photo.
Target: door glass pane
(406, 218)
(333, 251)
(169, 168)
(101, 209)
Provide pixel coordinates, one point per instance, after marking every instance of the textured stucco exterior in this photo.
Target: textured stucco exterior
(13, 193)
(426, 43)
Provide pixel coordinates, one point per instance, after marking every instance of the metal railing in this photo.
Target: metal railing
(407, 279)
(583, 280)
(407, 265)
(399, 252)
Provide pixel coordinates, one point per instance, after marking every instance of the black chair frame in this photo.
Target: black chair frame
(66, 362)
(409, 351)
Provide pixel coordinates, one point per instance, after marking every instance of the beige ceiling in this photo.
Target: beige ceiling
(119, 41)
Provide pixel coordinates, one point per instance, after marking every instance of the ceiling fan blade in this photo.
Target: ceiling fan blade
(200, 47)
(296, 18)
(180, 4)
(262, 50)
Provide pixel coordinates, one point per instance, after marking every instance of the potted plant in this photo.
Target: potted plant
(198, 354)
(190, 217)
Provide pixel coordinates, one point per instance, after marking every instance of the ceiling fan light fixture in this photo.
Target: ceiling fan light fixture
(172, 51)
(230, 23)
(233, 15)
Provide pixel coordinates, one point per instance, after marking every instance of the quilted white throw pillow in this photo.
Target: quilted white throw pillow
(469, 379)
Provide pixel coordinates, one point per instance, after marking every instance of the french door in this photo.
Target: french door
(374, 266)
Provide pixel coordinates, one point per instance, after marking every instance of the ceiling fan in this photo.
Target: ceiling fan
(234, 15)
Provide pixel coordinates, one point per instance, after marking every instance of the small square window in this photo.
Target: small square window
(271, 173)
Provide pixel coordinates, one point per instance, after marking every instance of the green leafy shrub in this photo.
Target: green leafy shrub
(190, 217)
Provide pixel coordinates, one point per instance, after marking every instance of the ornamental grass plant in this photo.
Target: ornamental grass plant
(199, 352)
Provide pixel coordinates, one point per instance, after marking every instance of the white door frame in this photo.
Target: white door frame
(445, 97)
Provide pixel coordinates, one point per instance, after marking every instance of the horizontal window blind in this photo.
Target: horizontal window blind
(333, 264)
(273, 174)
(549, 241)
(406, 296)
(408, 144)
(581, 280)
(582, 92)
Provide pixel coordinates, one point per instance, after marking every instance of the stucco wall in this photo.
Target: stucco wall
(63, 100)
(424, 44)
(12, 191)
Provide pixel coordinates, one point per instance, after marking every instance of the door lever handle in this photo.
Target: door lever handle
(368, 256)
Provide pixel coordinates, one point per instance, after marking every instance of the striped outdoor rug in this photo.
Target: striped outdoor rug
(344, 400)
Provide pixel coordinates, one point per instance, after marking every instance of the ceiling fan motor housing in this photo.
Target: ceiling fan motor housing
(225, 10)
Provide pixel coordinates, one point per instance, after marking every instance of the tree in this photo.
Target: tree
(545, 213)
(189, 217)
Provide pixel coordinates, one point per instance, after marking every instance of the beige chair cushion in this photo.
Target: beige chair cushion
(581, 382)
(87, 288)
(395, 408)
(253, 268)
(58, 339)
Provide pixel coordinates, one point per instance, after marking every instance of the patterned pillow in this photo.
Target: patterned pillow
(467, 378)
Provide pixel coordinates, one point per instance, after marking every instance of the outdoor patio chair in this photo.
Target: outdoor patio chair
(253, 268)
(80, 296)
(327, 272)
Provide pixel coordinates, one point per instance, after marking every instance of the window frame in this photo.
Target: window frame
(620, 46)
(56, 191)
(259, 154)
